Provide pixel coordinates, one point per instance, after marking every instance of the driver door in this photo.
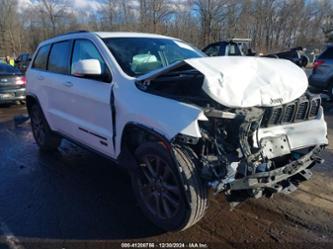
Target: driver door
(89, 101)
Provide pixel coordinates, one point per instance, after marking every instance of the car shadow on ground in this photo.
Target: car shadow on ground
(7, 111)
(70, 194)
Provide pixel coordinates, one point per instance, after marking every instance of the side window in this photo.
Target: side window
(59, 57)
(41, 58)
(233, 50)
(85, 49)
(212, 50)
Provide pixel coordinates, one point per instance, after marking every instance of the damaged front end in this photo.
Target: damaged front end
(253, 147)
(255, 152)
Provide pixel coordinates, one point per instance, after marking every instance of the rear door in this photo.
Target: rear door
(56, 91)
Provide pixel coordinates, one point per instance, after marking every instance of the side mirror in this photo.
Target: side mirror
(88, 67)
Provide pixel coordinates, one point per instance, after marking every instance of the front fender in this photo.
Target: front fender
(167, 117)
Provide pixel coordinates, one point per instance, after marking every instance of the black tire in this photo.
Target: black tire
(44, 137)
(178, 178)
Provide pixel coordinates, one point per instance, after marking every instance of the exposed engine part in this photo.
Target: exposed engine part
(213, 113)
(232, 164)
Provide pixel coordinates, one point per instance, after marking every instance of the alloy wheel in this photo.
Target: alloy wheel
(159, 187)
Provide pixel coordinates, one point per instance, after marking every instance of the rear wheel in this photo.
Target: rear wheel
(169, 190)
(44, 137)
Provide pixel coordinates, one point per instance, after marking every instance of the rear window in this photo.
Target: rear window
(59, 57)
(327, 54)
(7, 69)
(41, 58)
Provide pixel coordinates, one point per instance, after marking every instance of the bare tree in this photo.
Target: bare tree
(53, 11)
(273, 25)
(153, 14)
(212, 13)
(10, 29)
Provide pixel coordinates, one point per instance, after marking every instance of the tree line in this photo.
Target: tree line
(272, 25)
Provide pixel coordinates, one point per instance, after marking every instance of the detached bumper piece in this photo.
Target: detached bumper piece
(277, 180)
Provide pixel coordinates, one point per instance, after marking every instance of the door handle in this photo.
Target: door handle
(68, 84)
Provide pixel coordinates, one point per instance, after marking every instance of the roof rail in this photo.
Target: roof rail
(73, 32)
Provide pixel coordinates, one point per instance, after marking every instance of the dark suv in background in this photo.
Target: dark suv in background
(322, 72)
(296, 55)
(22, 62)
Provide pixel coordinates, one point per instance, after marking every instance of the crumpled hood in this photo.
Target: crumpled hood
(250, 81)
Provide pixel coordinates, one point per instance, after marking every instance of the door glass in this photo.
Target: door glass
(41, 58)
(83, 50)
(59, 57)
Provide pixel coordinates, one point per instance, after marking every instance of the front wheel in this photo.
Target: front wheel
(168, 188)
(44, 137)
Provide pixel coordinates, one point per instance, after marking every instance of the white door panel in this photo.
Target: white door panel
(90, 113)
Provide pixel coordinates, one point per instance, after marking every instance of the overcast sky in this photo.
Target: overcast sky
(82, 4)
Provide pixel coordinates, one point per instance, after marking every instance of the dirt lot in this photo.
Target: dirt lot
(76, 199)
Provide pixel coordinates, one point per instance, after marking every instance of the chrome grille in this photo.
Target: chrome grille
(304, 108)
(315, 105)
(289, 112)
(276, 116)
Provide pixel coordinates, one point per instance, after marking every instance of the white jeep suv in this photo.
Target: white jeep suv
(180, 122)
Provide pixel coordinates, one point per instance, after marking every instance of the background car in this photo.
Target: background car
(12, 84)
(321, 77)
(234, 47)
(22, 61)
(223, 48)
(295, 55)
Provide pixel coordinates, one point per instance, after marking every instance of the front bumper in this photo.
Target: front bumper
(309, 134)
(12, 95)
(300, 135)
(270, 179)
